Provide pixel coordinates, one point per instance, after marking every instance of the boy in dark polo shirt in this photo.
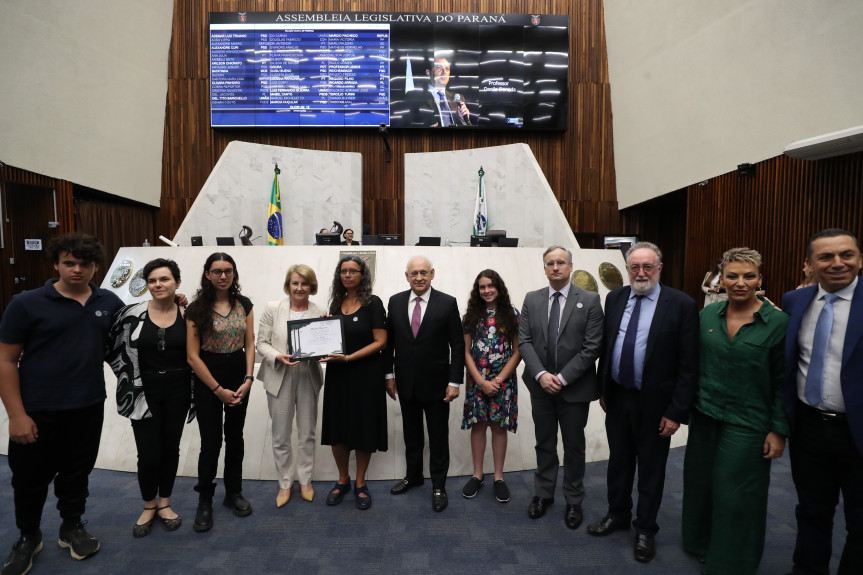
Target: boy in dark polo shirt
(54, 396)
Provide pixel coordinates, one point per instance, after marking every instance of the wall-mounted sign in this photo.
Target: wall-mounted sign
(33, 245)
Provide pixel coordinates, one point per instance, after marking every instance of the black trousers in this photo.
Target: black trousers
(437, 420)
(214, 417)
(633, 441)
(158, 437)
(65, 453)
(825, 461)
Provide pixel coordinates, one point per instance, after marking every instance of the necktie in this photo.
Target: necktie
(553, 327)
(815, 374)
(626, 370)
(445, 111)
(417, 315)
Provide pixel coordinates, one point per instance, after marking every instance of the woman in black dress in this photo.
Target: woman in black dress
(355, 416)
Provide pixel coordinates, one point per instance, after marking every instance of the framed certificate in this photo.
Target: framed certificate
(315, 338)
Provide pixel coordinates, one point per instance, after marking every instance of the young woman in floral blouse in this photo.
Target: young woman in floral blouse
(220, 331)
(491, 356)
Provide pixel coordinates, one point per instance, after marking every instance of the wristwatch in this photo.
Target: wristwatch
(252, 377)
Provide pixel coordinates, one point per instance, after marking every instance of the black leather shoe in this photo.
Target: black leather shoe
(439, 499)
(405, 484)
(573, 516)
(538, 506)
(606, 526)
(645, 550)
(238, 504)
(204, 515)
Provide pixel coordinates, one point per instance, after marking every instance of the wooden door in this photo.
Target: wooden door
(29, 213)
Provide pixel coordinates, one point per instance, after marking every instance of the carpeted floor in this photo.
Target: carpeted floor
(397, 535)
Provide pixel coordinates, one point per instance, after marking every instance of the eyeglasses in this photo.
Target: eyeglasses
(349, 272)
(161, 345)
(560, 263)
(634, 268)
(219, 273)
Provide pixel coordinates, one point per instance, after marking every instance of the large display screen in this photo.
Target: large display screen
(412, 70)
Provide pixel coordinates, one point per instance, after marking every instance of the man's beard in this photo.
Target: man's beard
(644, 288)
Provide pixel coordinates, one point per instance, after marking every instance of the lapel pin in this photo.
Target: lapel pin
(579, 305)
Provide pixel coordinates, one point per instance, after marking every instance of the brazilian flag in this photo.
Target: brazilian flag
(274, 219)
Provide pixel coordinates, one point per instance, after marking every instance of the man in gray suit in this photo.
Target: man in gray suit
(560, 335)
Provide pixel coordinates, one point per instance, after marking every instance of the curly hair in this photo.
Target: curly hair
(200, 311)
(161, 263)
(85, 248)
(476, 307)
(338, 291)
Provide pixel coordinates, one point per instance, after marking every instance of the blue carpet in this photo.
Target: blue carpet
(397, 535)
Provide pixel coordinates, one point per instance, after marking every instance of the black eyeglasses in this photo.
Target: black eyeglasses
(161, 345)
(218, 273)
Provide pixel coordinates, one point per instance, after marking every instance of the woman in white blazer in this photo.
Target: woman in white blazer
(292, 387)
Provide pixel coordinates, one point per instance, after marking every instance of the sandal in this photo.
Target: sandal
(338, 492)
(362, 503)
(169, 524)
(144, 529)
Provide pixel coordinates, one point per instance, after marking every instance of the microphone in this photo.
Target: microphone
(457, 99)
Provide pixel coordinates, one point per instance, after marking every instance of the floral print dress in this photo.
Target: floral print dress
(490, 352)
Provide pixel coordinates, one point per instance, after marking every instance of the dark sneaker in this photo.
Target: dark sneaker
(472, 487)
(501, 491)
(238, 504)
(79, 543)
(20, 560)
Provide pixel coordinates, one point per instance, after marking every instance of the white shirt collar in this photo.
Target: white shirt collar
(845, 293)
(424, 297)
(564, 291)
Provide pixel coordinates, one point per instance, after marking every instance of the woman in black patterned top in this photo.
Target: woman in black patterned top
(148, 355)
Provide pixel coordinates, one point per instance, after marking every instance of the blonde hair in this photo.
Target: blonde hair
(744, 255)
(304, 272)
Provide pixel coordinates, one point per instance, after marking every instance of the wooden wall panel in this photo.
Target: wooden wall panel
(115, 226)
(775, 212)
(578, 163)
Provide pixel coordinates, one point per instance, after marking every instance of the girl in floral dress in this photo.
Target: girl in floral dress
(491, 356)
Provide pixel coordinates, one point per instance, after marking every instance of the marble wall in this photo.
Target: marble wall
(261, 271)
(316, 189)
(441, 191)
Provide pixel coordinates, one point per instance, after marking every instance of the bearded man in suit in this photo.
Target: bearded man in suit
(649, 373)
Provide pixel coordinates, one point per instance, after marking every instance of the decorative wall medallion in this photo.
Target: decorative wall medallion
(610, 276)
(121, 273)
(138, 285)
(584, 280)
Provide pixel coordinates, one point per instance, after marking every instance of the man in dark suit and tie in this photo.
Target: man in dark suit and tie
(823, 396)
(649, 374)
(436, 106)
(560, 335)
(425, 346)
